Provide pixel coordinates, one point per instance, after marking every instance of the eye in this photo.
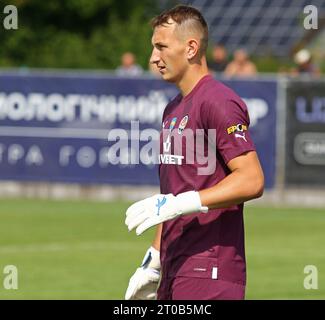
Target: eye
(160, 46)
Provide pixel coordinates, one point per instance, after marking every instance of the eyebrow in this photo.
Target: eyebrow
(159, 44)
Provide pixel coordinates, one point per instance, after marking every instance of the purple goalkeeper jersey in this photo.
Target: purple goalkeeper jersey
(206, 245)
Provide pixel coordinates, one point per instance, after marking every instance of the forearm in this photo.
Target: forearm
(245, 182)
(157, 238)
(236, 188)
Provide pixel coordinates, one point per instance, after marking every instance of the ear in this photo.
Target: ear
(192, 48)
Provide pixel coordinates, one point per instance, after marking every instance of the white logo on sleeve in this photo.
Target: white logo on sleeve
(241, 136)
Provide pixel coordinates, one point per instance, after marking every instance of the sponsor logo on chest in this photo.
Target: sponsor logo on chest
(166, 157)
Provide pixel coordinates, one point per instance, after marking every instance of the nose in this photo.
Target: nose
(155, 58)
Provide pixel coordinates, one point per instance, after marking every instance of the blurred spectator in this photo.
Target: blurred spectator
(220, 60)
(241, 66)
(128, 67)
(305, 66)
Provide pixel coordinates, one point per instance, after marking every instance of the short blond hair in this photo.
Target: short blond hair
(189, 17)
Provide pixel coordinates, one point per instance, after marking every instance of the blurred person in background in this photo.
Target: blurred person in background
(304, 64)
(219, 59)
(128, 67)
(241, 65)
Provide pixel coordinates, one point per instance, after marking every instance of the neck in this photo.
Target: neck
(191, 77)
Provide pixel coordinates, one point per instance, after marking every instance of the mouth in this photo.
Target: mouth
(162, 69)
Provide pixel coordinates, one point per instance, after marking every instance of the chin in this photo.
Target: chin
(168, 78)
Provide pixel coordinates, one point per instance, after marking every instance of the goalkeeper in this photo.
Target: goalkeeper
(198, 251)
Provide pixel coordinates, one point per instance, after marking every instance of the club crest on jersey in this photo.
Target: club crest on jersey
(182, 125)
(172, 124)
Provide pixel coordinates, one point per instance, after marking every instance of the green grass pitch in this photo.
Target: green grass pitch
(82, 250)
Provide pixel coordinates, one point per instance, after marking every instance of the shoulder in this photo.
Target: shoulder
(251, 66)
(217, 96)
(221, 104)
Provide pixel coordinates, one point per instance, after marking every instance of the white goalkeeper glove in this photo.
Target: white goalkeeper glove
(144, 282)
(161, 207)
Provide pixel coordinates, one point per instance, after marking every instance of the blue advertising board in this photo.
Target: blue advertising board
(56, 127)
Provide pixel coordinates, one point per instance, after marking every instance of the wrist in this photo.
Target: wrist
(151, 259)
(190, 202)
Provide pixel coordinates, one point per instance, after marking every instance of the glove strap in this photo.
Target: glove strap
(151, 259)
(190, 202)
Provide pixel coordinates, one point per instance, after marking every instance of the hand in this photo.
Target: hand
(159, 208)
(144, 282)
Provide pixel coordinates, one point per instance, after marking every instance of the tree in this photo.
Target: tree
(77, 33)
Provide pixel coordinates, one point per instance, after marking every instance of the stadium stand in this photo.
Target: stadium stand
(260, 26)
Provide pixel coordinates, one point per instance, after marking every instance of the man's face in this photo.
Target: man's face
(240, 56)
(169, 53)
(219, 53)
(128, 60)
